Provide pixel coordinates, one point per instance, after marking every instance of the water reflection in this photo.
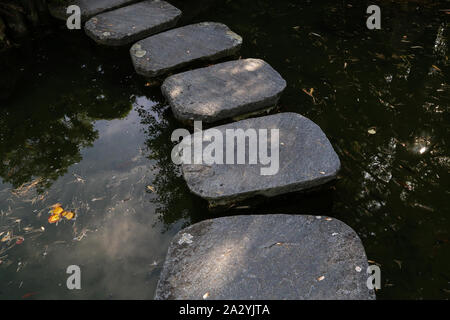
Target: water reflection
(173, 202)
(381, 97)
(38, 142)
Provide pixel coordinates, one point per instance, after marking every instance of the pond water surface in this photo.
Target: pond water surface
(82, 129)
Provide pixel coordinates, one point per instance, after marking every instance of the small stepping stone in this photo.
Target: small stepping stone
(266, 257)
(176, 48)
(224, 90)
(129, 24)
(89, 8)
(306, 160)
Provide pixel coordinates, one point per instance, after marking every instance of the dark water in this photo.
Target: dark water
(81, 129)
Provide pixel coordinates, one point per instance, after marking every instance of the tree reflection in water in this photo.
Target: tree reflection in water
(41, 142)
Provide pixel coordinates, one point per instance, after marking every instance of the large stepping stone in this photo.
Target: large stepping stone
(266, 257)
(129, 24)
(89, 8)
(224, 90)
(306, 160)
(176, 48)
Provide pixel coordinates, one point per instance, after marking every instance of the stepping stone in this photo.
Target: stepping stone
(89, 8)
(129, 24)
(176, 48)
(224, 90)
(306, 160)
(266, 257)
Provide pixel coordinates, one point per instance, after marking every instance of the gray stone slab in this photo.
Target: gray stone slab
(177, 48)
(131, 23)
(283, 257)
(306, 160)
(89, 8)
(223, 90)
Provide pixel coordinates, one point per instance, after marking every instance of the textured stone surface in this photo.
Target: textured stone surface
(223, 90)
(306, 160)
(131, 23)
(266, 257)
(89, 8)
(176, 48)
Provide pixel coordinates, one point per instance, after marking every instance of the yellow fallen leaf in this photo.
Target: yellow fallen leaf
(54, 218)
(56, 210)
(68, 215)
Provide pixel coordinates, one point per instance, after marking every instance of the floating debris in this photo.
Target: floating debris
(27, 295)
(69, 215)
(54, 218)
(436, 68)
(310, 93)
(57, 212)
(372, 130)
(398, 262)
(7, 237)
(320, 278)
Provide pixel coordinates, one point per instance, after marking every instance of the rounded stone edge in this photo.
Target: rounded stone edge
(151, 73)
(186, 116)
(215, 200)
(173, 246)
(123, 40)
(161, 292)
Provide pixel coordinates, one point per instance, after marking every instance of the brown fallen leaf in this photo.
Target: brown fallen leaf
(436, 68)
(7, 237)
(310, 93)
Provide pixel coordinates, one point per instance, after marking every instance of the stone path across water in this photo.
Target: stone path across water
(178, 47)
(306, 160)
(291, 257)
(89, 8)
(223, 90)
(129, 24)
(240, 257)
